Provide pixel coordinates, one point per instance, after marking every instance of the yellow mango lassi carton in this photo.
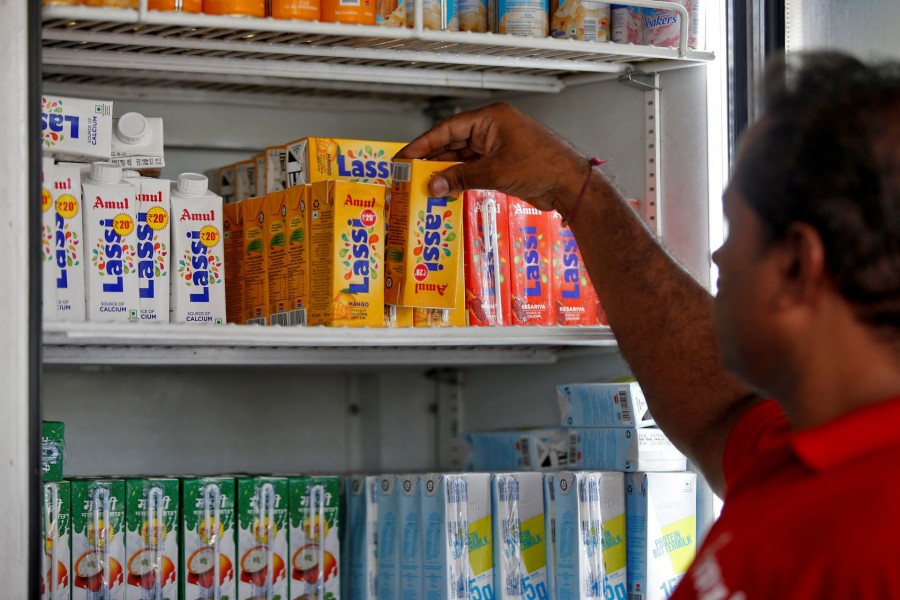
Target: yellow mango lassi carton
(233, 240)
(275, 241)
(398, 316)
(256, 263)
(346, 254)
(297, 232)
(424, 239)
(313, 159)
(446, 317)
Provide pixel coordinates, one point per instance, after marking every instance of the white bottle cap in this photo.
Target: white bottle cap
(106, 172)
(132, 128)
(192, 184)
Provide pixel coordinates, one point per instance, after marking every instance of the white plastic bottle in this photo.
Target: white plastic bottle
(110, 211)
(198, 277)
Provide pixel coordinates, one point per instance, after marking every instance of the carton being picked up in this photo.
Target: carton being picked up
(76, 130)
(137, 143)
(603, 405)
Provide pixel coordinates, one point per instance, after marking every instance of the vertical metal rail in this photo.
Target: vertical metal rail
(20, 490)
(653, 163)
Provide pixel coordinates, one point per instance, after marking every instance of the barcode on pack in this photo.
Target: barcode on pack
(572, 458)
(349, 2)
(525, 451)
(401, 170)
(624, 406)
(257, 321)
(458, 588)
(635, 596)
(590, 30)
(457, 492)
(513, 585)
(588, 490)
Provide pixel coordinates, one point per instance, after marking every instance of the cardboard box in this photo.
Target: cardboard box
(601, 448)
(110, 214)
(603, 405)
(315, 537)
(313, 159)
(458, 538)
(520, 555)
(76, 130)
(531, 284)
(262, 537)
(486, 257)
(574, 299)
(53, 450)
(259, 175)
(424, 243)
(412, 585)
(208, 537)
(388, 548)
(137, 143)
(69, 246)
(591, 535)
(151, 537)
(56, 533)
(347, 254)
(362, 536)
(98, 537)
(244, 179)
(233, 248)
(276, 177)
(154, 247)
(255, 262)
(662, 531)
(226, 184)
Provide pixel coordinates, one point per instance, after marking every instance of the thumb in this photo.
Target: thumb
(464, 176)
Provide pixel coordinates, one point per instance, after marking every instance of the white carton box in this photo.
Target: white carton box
(604, 449)
(110, 214)
(458, 543)
(75, 129)
(362, 532)
(410, 509)
(244, 180)
(550, 531)
(662, 531)
(591, 535)
(498, 451)
(603, 405)
(276, 177)
(68, 246)
(48, 240)
(154, 243)
(198, 285)
(388, 549)
(137, 143)
(520, 554)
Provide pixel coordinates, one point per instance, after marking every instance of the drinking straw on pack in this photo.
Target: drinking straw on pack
(266, 509)
(491, 241)
(212, 509)
(156, 532)
(317, 508)
(101, 509)
(508, 487)
(51, 529)
(458, 537)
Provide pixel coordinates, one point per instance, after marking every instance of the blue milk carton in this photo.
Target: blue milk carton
(603, 405)
(520, 557)
(362, 532)
(388, 537)
(590, 535)
(550, 531)
(410, 508)
(662, 532)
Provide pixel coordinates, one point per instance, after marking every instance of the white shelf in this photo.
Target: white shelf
(168, 344)
(84, 46)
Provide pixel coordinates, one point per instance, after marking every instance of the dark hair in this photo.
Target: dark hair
(828, 155)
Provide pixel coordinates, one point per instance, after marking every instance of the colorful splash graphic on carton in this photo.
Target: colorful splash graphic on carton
(186, 271)
(50, 137)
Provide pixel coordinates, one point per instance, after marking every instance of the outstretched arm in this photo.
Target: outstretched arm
(661, 316)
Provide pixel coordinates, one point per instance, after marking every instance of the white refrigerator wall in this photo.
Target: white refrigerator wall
(161, 420)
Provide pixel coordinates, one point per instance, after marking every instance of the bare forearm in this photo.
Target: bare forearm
(663, 322)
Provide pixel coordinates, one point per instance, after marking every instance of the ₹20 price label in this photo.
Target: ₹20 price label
(209, 236)
(157, 218)
(46, 200)
(123, 225)
(67, 206)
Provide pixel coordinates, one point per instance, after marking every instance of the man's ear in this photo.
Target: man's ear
(800, 260)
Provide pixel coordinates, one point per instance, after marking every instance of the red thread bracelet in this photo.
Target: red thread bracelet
(593, 162)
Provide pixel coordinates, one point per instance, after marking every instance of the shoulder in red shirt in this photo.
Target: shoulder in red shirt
(811, 514)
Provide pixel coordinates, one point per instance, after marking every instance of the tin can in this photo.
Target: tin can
(192, 6)
(361, 12)
(237, 8)
(663, 27)
(473, 15)
(437, 14)
(305, 10)
(627, 24)
(580, 20)
(530, 18)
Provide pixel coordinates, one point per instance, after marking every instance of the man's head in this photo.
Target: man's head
(818, 177)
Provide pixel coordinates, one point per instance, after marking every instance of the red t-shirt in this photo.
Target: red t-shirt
(812, 514)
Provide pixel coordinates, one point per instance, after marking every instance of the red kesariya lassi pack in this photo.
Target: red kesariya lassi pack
(531, 283)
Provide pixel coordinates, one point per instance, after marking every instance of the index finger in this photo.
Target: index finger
(455, 131)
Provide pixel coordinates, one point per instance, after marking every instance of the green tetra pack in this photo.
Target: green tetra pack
(208, 559)
(315, 537)
(151, 538)
(262, 508)
(98, 538)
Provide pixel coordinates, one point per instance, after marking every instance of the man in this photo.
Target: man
(808, 312)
